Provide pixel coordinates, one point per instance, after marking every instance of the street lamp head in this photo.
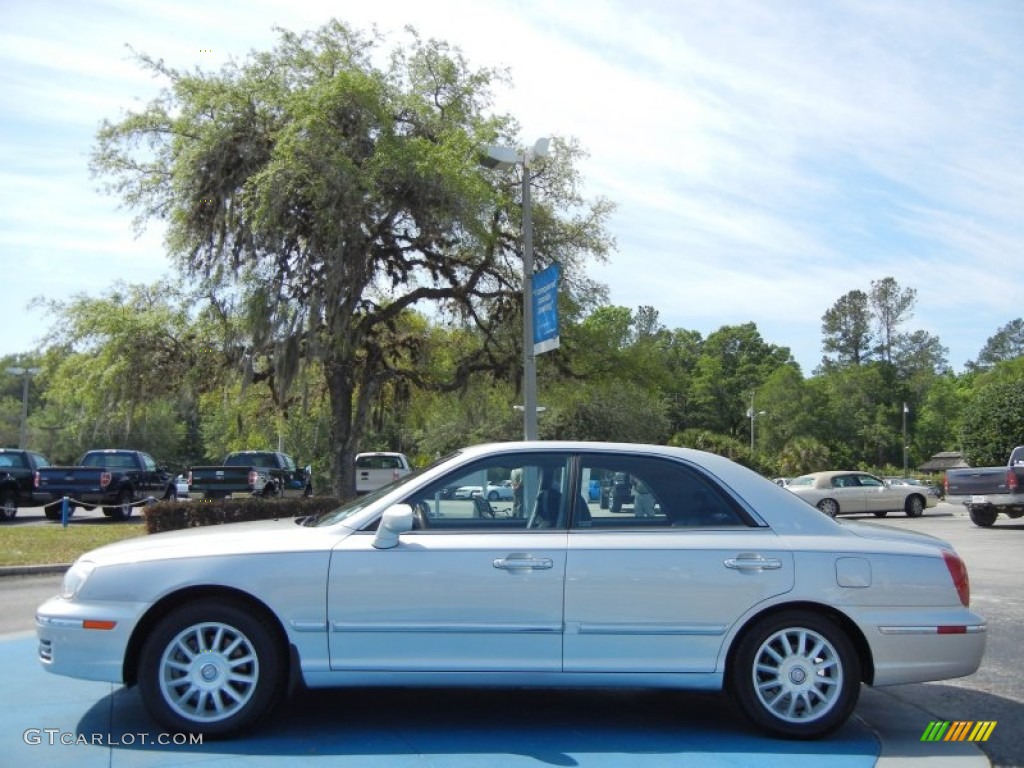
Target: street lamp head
(499, 158)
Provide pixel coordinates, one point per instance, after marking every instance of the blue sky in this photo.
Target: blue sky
(765, 157)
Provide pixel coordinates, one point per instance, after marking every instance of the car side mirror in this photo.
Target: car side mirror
(395, 521)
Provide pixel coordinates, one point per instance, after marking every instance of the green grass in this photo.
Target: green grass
(46, 544)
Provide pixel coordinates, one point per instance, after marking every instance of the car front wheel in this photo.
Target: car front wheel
(8, 505)
(210, 667)
(796, 674)
(829, 506)
(914, 506)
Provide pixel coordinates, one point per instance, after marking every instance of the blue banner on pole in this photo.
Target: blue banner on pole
(545, 310)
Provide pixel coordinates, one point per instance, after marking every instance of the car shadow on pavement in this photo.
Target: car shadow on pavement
(1005, 746)
(495, 726)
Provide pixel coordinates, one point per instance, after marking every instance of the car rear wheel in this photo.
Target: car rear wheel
(8, 505)
(796, 674)
(124, 508)
(984, 518)
(211, 667)
(914, 506)
(829, 506)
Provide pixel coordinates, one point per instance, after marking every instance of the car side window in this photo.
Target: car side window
(638, 492)
(869, 481)
(519, 491)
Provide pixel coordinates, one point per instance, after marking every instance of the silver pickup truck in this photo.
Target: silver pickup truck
(989, 491)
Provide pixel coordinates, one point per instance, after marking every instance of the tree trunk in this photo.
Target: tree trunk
(344, 434)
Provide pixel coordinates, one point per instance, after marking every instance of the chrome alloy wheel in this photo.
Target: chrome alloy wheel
(208, 672)
(797, 675)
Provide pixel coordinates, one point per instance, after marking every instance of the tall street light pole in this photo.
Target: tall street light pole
(752, 414)
(502, 158)
(26, 374)
(906, 410)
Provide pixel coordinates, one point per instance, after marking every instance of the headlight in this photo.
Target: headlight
(75, 578)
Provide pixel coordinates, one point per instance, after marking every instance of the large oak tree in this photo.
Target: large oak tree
(330, 187)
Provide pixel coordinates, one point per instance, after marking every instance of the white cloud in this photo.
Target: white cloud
(765, 157)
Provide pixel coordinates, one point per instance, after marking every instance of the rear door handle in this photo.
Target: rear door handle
(522, 562)
(753, 562)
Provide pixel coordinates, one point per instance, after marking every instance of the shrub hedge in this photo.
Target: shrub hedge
(175, 515)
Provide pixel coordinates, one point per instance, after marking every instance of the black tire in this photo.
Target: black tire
(308, 492)
(881, 513)
(124, 508)
(269, 491)
(829, 506)
(914, 506)
(211, 667)
(52, 512)
(8, 505)
(982, 517)
(816, 668)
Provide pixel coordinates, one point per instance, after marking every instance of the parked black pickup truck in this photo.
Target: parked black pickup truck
(113, 479)
(17, 479)
(990, 490)
(250, 473)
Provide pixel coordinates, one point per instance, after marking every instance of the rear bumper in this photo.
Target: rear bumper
(929, 644)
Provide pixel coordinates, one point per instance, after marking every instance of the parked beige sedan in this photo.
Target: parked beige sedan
(850, 493)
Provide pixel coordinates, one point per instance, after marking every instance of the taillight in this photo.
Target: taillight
(190, 478)
(945, 483)
(37, 480)
(253, 477)
(958, 572)
(1011, 480)
(104, 479)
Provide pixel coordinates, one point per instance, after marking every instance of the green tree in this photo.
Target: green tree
(1005, 344)
(334, 197)
(891, 306)
(734, 361)
(993, 423)
(846, 330)
(614, 412)
(125, 368)
(802, 455)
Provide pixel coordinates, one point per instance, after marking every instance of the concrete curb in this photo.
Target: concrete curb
(33, 570)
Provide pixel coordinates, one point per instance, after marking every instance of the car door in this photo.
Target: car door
(847, 490)
(150, 480)
(656, 586)
(479, 588)
(878, 496)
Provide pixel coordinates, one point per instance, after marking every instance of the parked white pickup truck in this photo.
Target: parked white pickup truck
(375, 470)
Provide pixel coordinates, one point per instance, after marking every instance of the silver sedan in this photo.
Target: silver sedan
(848, 492)
(713, 577)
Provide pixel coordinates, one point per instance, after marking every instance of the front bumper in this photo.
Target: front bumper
(87, 641)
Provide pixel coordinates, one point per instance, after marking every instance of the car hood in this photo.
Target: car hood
(261, 536)
(878, 532)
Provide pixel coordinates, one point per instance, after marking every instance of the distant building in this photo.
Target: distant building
(940, 462)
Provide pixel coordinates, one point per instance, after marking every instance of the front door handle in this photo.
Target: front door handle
(753, 562)
(524, 562)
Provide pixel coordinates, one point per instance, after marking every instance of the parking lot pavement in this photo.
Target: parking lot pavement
(57, 721)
